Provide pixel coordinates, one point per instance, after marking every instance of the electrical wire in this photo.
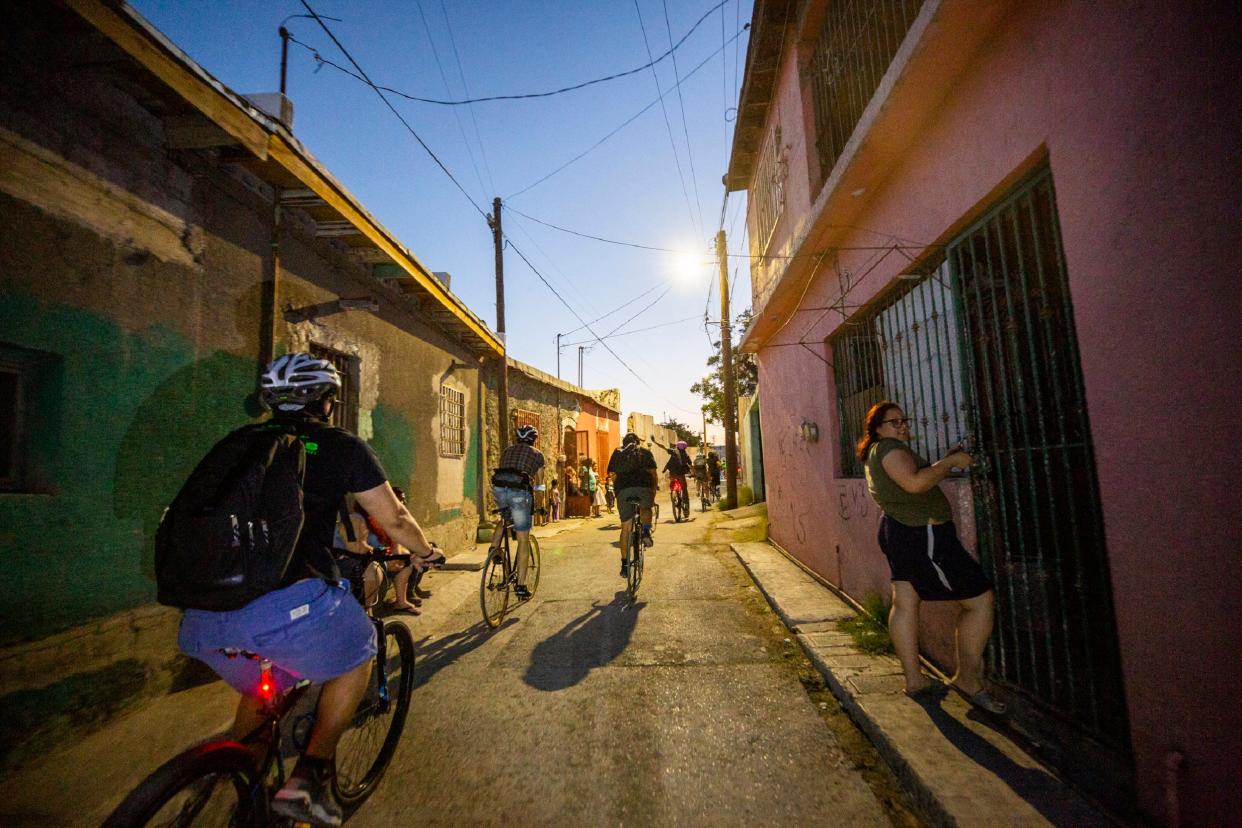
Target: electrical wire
(635, 331)
(614, 310)
(621, 126)
(392, 108)
(667, 125)
(685, 130)
(435, 53)
(464, 85)
(528, 95)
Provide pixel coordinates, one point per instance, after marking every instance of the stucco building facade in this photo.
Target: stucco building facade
(1018, 220)
(163, 238)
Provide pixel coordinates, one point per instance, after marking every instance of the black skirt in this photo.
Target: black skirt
(932, 559)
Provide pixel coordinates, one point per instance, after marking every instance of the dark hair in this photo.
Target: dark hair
(871, 424)
(399, 492)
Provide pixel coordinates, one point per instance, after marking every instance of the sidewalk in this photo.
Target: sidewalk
(960, 769)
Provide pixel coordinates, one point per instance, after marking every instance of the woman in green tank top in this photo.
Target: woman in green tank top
(925, 556)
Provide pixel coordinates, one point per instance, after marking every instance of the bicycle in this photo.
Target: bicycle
(681, 500)
(230, 782)
(500, 570)
(634, 551)
(705, 493)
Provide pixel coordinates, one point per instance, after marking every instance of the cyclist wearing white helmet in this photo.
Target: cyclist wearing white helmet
(309, 626)
(513, 483)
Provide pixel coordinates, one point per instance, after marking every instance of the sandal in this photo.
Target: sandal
(983, 700)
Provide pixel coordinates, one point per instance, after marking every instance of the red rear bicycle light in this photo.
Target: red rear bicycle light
(266, 685)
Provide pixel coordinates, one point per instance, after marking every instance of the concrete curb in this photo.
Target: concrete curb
(959, 770)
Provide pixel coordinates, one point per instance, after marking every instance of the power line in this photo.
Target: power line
(667, 126)
(635, 331)
(589, 236)
(614, 310)
(562, 90)
(623, 124)
(681, 103)
(648, 307)
(393, 109)
(464, 85)
(435, 53)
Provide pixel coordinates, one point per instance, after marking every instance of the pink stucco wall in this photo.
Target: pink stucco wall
(1136, 110)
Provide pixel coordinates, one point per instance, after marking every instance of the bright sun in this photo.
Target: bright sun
(686, 266)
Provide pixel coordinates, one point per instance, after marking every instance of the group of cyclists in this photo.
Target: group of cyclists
(312, 627)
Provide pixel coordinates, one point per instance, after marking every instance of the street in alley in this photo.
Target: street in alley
(684, 707)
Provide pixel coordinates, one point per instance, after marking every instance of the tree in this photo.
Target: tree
(684, 432)
(745, 373)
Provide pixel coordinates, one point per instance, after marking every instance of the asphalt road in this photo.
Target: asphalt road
(683, 708)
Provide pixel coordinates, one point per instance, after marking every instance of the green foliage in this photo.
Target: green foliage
(745, 497)
(745, 373)
(684, 432)
(869, 630)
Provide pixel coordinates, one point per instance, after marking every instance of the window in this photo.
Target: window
(906, 350)
(856, 45)
(767, 195)
(345, 411)
(582, 443)
(522, 417)
(452, 422)
(25, 380)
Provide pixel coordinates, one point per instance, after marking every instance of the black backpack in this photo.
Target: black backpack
(626, 459)
(228, 536)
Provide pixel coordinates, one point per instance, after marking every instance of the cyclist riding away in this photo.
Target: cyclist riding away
(700, 471)
(636, 477)
(713, 472)
(513, 482)
(678, 466)
(309, 626)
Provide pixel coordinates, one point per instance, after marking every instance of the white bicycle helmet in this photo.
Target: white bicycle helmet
(527, 434)
(294, 380)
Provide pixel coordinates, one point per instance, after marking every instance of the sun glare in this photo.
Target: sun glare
(687, 266)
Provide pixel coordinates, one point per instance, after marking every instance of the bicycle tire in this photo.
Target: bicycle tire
(494, 589)
(533, 566)
(634, 573)
(399, 654)
(655, 516)
(225, 759)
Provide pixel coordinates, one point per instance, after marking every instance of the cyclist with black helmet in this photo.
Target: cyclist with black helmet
(513, 482)
(309, 626)
(637, 479)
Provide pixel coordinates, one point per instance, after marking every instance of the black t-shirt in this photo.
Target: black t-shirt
(678, 463)
(337, 463)
(713, 463)
(633, 466)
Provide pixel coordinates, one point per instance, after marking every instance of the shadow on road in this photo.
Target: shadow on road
(591, 640)
(1038, 787)
(432, 658)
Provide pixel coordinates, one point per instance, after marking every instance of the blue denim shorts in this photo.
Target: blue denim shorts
(312, 630)
(519, 502)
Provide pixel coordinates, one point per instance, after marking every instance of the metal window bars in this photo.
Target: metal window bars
(452, 422)
(857, 42)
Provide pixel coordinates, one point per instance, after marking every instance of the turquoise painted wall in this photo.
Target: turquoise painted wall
(122, 420)
(393, 441)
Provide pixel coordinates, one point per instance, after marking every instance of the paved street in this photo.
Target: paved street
(582, 709)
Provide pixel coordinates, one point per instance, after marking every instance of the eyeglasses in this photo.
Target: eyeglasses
(898, 423)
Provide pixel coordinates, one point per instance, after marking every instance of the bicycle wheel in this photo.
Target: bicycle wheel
(533, 566)
(655, 516)
(208, 785)
(634, 575)
(367, 746)
(494, 588)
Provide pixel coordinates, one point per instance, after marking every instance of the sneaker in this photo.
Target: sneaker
(648, 540)
(521, 592)
(307, 794)
(625, 568)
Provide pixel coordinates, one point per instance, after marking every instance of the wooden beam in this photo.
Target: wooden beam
(194, 131)
(195, 90)
(335, 229)
(301, 197)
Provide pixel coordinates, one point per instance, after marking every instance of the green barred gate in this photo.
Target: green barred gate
(984, 347)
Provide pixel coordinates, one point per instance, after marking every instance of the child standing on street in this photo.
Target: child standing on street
(554, 500)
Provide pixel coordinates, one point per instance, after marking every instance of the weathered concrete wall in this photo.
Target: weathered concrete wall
(134, 273)
(1138, 118)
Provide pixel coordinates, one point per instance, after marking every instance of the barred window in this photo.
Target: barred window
(906, 350)
(522, 417)
(767, 193)
(452, 422)
(345, 411)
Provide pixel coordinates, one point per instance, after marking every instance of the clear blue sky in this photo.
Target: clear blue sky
(627, 189)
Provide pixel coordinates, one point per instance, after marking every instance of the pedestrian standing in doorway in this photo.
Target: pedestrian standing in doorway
(927, 560)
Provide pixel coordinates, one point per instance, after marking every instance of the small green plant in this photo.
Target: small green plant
(869, 629)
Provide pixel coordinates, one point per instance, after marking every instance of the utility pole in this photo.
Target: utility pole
(580, 350)
(498, 240)
(558, 355)
(726, 369)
